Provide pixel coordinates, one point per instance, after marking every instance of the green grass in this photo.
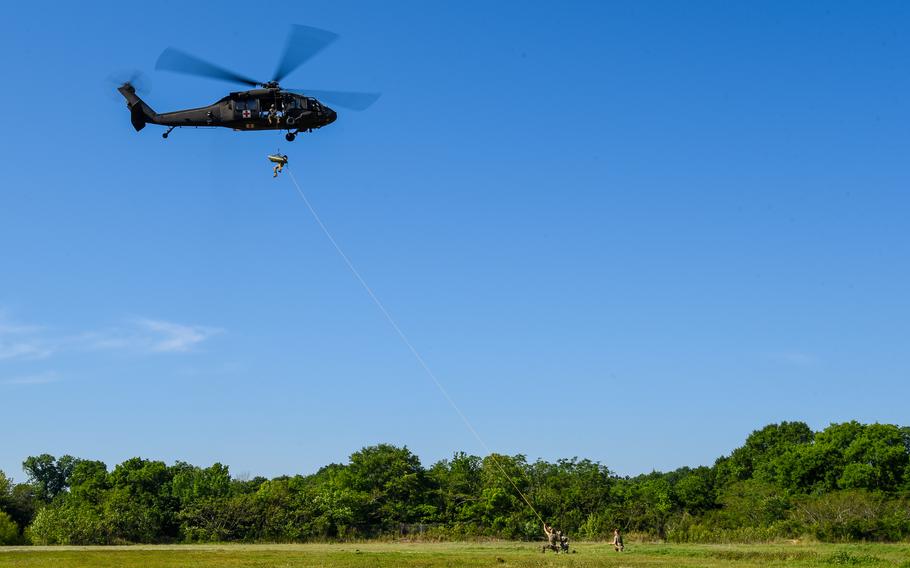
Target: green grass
(453, 555)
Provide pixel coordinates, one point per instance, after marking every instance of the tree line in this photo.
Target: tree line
(850, 481)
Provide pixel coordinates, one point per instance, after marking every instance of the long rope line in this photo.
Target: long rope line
(406, 341)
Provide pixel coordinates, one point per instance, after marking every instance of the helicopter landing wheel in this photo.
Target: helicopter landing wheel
(290, 136)
(164, 135)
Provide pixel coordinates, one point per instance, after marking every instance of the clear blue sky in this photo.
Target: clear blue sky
(632, 232)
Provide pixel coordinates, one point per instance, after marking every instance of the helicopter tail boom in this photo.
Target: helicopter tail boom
(140, 112)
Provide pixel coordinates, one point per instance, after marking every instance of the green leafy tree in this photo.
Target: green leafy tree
(694, 490)
(220, 519)
(854, 515)
(849, 455)
(752, 503)
(500, 509)
(139, 506)
(89, 481)
(339, 510)
(49, 475)
(458, 483)
(246, 486)
(656, 496)
(17, 501)
(71, 523)
(568, 492)
(760, 449)
(9, 531)
(395, 484)
(191, 483)
(6, 486)
(876, 459)
(21, 504)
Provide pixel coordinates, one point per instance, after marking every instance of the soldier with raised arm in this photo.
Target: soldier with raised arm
(551, 537)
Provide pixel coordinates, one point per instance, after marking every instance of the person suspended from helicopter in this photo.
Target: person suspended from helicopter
(280, 160)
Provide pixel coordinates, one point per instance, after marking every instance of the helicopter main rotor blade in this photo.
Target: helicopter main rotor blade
(303, 43)
(175, 60)
(346, 99)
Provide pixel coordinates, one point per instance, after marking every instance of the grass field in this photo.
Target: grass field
(452, 555)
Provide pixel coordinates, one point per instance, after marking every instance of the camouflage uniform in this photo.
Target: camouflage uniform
(551, 537)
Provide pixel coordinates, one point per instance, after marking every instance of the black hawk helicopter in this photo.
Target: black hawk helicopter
(268, 107)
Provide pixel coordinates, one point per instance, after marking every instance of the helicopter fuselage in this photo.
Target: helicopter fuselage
(256, 109)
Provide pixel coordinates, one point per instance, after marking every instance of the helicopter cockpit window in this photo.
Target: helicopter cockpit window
(292, 102)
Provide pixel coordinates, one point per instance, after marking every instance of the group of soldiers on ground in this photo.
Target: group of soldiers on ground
(556, 540)
(559, 542)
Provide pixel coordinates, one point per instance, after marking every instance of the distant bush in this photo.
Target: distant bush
(9, 531)
(845, 516)
(703, 534)
(844, 558)
(68, 525)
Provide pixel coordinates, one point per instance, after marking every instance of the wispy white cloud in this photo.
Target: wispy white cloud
(149, 336)
(142, 335)
(38, 379)
(19, 341)
(171, 336)
(23, 350)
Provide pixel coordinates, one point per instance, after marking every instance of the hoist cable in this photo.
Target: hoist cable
(404, 338)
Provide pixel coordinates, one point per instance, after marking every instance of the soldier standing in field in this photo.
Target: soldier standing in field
(617, 541)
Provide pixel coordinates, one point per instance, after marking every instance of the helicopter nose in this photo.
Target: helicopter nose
(330, 116)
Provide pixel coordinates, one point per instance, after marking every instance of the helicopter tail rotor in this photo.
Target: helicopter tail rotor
(133, 77)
